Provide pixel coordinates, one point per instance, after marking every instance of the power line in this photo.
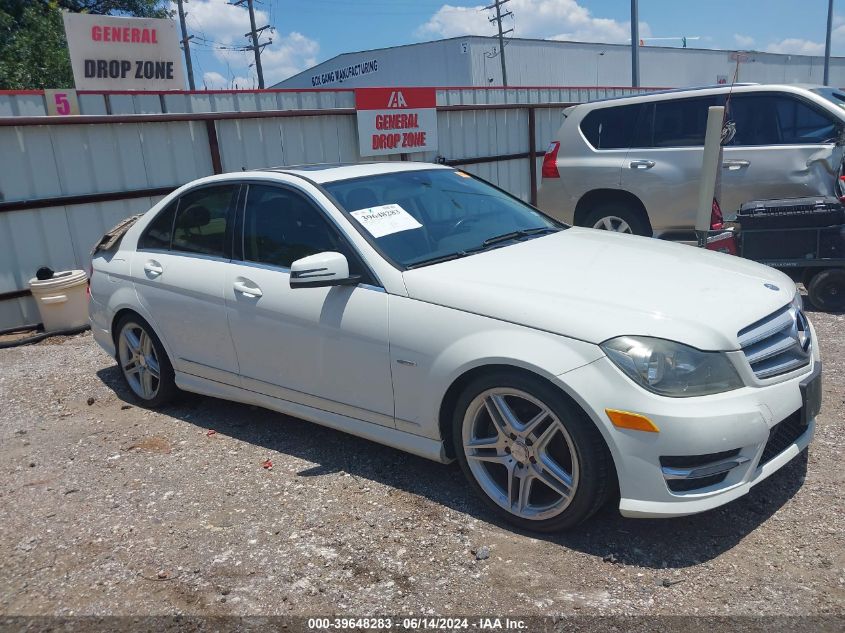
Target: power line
(254, 34)
(498, 20)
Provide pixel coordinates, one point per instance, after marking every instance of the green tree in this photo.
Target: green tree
(33, 49)
(136, 8)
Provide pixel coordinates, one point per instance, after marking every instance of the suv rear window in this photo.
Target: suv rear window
(611, 128)
(681, 122)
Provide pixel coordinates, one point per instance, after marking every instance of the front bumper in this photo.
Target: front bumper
(735, 427)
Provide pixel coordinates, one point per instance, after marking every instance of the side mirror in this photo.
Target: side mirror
(321, 270)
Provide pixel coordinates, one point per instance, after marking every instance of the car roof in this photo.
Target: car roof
(319, 173)
(322, 173)
(661, 95)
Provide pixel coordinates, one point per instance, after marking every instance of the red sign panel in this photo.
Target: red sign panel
(395, 98)
(396, 120)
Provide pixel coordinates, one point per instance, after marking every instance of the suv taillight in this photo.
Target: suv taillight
(717, 220)
(550, 161)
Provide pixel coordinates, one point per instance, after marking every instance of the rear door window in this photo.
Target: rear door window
(159, 233)
(201, 224)
(681, 122)
(611, 128)
(778, 120)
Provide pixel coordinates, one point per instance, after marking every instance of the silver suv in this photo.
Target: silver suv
(633, 164)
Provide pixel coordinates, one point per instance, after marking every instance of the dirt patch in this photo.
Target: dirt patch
(151, 445)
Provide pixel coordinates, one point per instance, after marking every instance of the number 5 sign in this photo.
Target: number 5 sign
(61, 102)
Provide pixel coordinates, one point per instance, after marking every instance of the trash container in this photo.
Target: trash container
(62, 300)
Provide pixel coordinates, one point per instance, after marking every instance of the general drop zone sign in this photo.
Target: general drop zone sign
(396, 120)
(112, 53)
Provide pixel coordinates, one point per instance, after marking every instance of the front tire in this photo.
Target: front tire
(144, 364)
(532, 454)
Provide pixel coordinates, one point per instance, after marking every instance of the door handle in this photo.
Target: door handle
(641, 164)
(734, 164)
(153, 268)
(247, 288)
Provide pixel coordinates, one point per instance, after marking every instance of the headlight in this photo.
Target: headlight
(672, 369)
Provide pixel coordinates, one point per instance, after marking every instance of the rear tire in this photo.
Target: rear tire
(827, 290)
(618, 217)
(533, 455)
(143, 363)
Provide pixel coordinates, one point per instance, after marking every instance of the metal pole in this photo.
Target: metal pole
(709, 172)
(635, 44)
(502, 42)
(255, 47)
(827, 43)
(186, 45)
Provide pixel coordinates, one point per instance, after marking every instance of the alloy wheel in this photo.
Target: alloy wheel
(613, 223)
(139, 361)
(520, 453)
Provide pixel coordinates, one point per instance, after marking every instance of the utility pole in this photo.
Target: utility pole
(253, 34)
(635, 44)
(827, 43)
(498, 19)
(186, 46)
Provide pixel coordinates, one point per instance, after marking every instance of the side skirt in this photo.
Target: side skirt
(422, 446)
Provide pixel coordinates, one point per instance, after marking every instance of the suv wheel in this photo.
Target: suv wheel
(618, 218)
(534, 456)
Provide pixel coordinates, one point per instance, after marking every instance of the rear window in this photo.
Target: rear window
(160, 231)
(200, 225)
(611, 128)
(681, 122)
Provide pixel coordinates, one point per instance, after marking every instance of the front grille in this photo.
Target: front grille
(783, 435)
(777, 344)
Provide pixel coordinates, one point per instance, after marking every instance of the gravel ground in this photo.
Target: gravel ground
(106, 508)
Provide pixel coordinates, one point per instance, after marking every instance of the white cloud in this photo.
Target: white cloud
(214, 81)
(451, 21)
(797, 46)
(555, 19)
(743, 41)
(219, 26)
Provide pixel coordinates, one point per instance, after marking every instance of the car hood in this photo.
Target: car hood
(595, 285)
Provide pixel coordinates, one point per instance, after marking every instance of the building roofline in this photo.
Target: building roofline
(464, 38)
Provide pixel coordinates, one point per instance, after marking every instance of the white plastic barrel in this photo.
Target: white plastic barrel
(63, 300)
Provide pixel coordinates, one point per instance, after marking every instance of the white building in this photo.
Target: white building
(474, 61)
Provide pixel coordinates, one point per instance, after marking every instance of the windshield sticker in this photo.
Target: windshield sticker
(385, 219)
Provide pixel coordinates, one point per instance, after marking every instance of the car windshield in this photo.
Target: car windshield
(831, 94)
(423, 217)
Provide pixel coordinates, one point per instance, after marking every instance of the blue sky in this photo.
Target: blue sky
(310, 31)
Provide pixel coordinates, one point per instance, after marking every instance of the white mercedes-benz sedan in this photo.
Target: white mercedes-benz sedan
(418, 306)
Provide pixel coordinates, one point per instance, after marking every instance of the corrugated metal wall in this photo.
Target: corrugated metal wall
(45, 161)
(31, 103)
